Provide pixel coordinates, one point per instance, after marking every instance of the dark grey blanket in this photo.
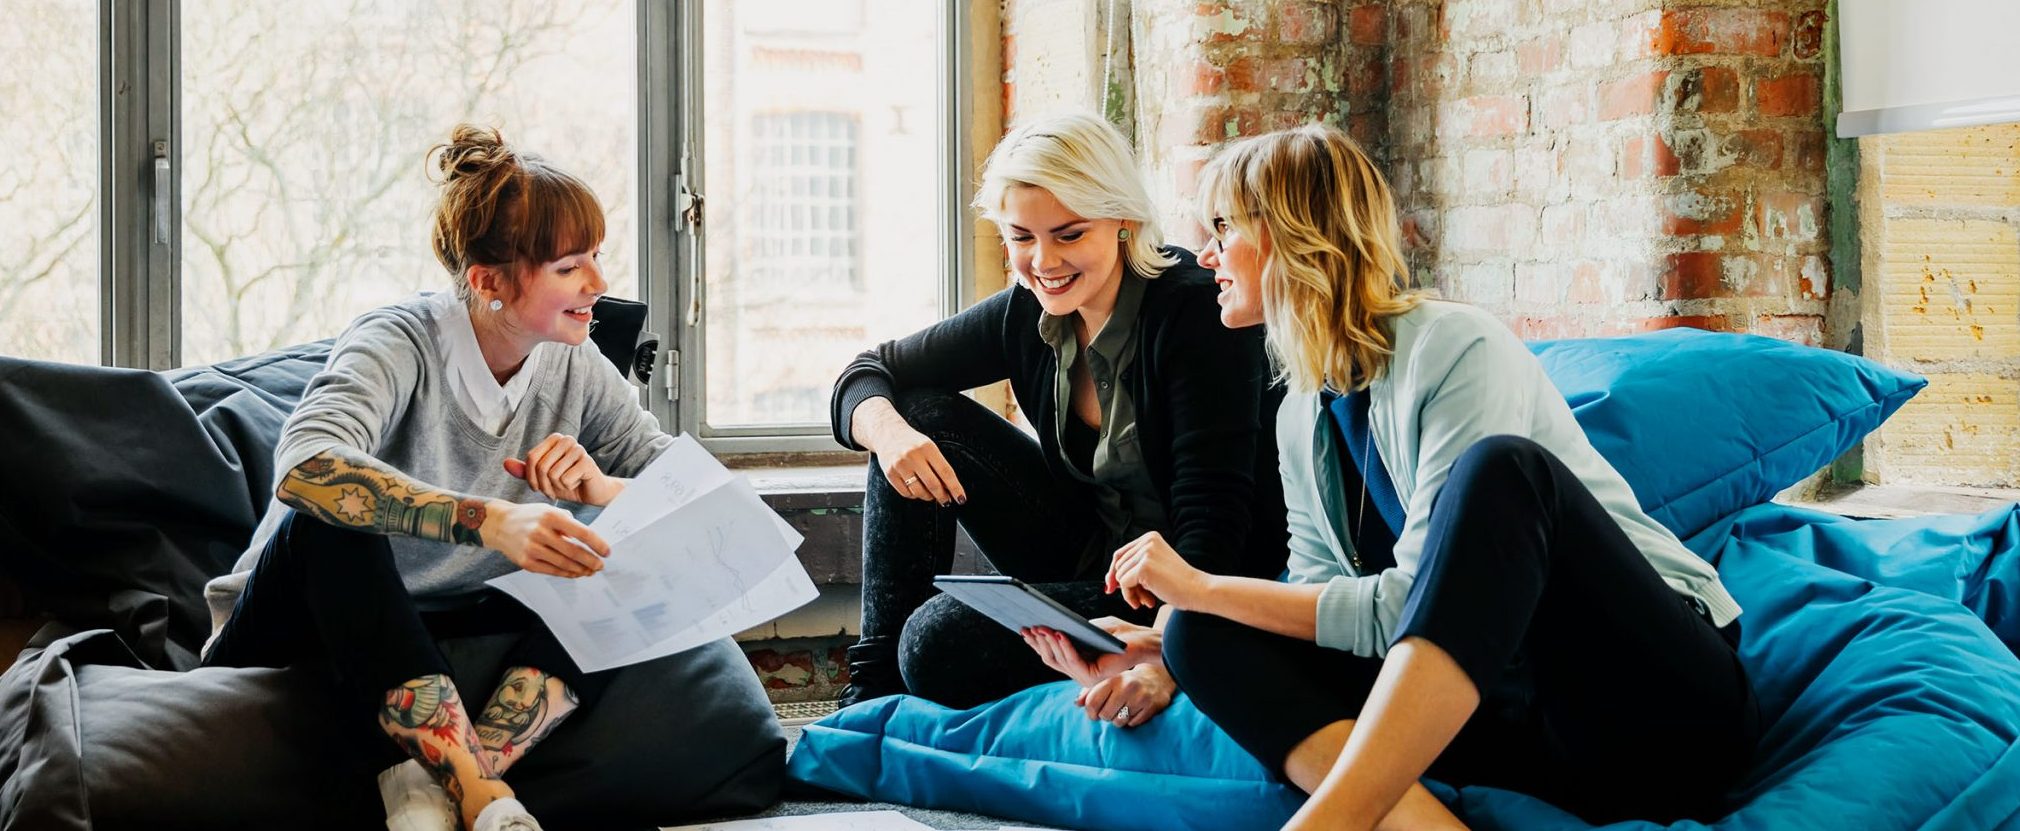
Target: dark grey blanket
(126, 490)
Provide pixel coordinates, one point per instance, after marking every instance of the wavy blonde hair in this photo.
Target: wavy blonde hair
(1085, 163)
(1335, 271)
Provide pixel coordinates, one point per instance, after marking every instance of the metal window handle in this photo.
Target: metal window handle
(161, 182)
(689, 205)
(692, 213)
(687, 216)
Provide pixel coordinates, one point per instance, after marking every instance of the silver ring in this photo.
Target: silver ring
(911, 480)
(1122, 714)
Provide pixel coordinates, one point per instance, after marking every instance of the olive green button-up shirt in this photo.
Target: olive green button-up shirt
(1126, 502)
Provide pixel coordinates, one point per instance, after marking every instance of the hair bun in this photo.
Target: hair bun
(473, 151)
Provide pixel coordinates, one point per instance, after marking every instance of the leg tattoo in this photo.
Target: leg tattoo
(528, 706)
(425, 717)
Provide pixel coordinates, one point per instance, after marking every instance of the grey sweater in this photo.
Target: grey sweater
(385, 393)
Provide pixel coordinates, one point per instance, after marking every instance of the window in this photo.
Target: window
(831, 227)
(794, 399)
(810, 17)
(49, 195)
(803, 203)
(260, 180)
(304, 196)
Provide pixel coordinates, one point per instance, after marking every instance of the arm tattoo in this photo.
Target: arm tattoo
(350, 489)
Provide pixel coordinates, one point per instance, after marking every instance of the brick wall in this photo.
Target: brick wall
(1587, 168)
(1206, 72)
(1596, 167)
(1577, 167)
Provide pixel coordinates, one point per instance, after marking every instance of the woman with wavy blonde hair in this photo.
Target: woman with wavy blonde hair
(1152, 419)
(1473, 592)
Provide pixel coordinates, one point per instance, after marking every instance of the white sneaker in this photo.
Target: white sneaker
(414, 800)
(505, 815)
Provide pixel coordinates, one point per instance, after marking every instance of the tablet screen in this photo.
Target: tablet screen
(1016, 605)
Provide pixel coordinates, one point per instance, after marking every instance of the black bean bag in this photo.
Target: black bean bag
(91, 740)
(125, 492)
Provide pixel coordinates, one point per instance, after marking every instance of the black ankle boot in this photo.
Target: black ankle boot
(873, 673)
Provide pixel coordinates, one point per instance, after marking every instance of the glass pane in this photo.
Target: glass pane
(49, 181)
(305, 124)
(822, 142)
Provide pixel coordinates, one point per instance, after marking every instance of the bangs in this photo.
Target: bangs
(1224, 189)
(562, 216)
(1217, 181)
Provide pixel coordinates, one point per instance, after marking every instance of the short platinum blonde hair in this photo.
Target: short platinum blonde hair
(1085, 163)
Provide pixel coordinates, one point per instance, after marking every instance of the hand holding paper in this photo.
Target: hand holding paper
(695, 556)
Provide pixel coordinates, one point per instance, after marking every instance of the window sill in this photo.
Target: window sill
(794, 481)
(1899, 501)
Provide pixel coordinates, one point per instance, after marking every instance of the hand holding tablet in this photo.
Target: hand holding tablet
(1018, 606)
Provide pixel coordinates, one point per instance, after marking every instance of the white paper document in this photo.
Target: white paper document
(695, 556)
(851, 821)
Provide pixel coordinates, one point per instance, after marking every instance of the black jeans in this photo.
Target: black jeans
(330, 597)
(1603, 690)
(1029, 525)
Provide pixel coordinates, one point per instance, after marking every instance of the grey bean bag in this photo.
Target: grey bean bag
(90, 740)
(129, 489)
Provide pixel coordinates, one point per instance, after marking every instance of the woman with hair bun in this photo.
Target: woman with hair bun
(452, 438)
(1152, 421)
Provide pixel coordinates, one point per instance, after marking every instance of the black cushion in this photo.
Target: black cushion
(619, 323)
(130, 489)
(87, 733)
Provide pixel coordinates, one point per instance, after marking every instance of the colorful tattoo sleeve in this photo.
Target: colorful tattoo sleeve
(528, 706)
(347, 488)
(424, 717)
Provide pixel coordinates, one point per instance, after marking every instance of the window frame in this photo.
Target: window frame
(140, 304)
(140, 279)
(688, 413)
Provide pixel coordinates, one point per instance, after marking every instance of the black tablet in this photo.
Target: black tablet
(1010, 602)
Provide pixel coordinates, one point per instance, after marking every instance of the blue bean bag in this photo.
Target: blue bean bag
(1704, 424)
(1967, 558)
(1892, 704)
(1890, 708)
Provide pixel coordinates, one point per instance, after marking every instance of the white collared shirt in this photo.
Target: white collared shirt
(488, 402)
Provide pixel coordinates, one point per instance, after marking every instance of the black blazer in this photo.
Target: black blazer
(1205, 409)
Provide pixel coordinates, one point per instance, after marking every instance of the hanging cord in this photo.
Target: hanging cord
(1108, 62)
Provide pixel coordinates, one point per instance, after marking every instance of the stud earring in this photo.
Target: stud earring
(1122, 235)
(497, 304)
